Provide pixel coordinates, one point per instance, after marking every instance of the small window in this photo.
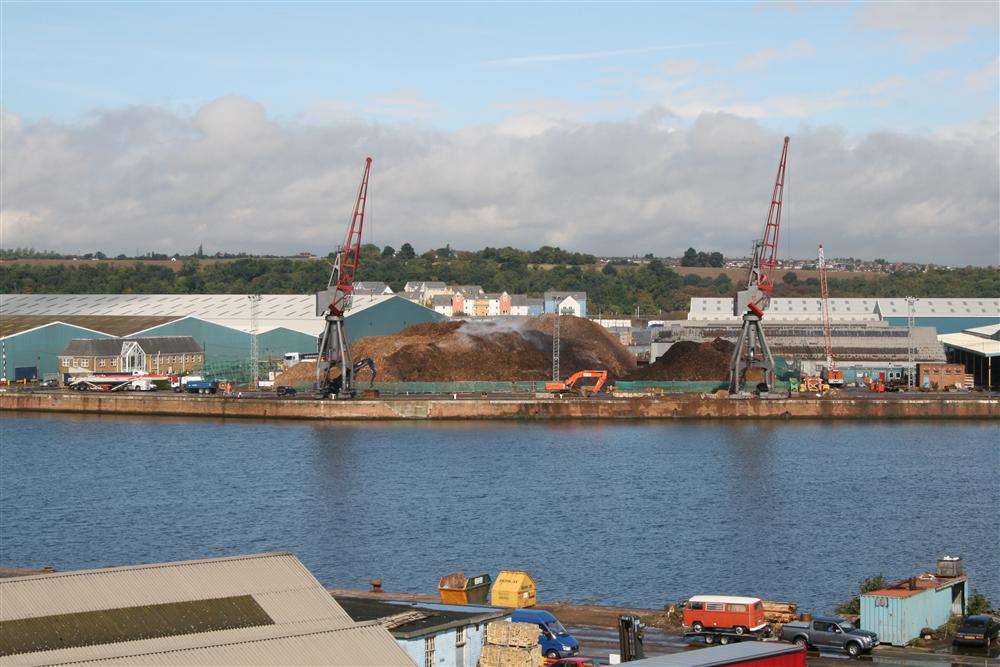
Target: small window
(819, 626)
(429, 652)
(715, 606)
(101, 363)
(697, 606)
(736, 608)
(459, 637)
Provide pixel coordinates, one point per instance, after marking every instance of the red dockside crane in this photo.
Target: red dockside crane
(834, 377)
(752, 352)
(335, 300)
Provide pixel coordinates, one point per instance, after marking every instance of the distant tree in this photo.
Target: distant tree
(648, 255)
(406, 251)
(609, 270)
(691, 279)
(812, 282)
(716, 259)
(790, 278)
(979, 604)
(100, 255)
(121, 256)
(388, 251)
(690, 257)
(853, 606)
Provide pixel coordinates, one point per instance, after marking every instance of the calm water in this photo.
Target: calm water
(631, 513)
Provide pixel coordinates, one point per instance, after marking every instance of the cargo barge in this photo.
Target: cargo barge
(959, 406)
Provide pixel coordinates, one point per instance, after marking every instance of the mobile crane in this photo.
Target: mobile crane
(335, 300)
(834, 376)
(752, 359)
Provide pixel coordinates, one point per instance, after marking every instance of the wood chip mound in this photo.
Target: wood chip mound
(503, 350)
(688, 360)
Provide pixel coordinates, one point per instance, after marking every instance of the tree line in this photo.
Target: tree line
(651, 286)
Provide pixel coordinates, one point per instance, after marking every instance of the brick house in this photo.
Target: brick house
(158, 354)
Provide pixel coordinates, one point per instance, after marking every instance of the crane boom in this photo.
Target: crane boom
(825, 295)
(752, 357)
(335, 300)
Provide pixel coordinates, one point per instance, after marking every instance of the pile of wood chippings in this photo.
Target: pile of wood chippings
(688, 360)
(503, 350)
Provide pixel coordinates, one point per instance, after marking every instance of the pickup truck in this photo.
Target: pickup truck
(830, 633)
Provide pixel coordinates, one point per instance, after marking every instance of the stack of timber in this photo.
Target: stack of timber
(780, 612)
(511, 645)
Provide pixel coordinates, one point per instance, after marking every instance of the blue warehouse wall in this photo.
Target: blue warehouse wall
(276, 342)
(388, 317)
(945, 324)
(220, 343)
(41, 347)
(446, 653)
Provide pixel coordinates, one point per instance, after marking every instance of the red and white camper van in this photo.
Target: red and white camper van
(724, 612)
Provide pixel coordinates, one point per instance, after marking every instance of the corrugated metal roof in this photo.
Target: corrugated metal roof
(853, 307)
(719, 655)
(986, 347)
(309, 626)
(312, 643)
(132, 586)
(112, 347)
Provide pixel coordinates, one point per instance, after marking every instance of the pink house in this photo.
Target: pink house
(457, 303)
(505, 303)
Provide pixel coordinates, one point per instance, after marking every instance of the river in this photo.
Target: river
(635, 513)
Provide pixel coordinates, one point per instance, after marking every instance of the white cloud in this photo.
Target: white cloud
(925, 27)
(233, 178)
(800, 48)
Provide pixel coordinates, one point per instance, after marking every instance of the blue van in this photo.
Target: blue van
(555, 641)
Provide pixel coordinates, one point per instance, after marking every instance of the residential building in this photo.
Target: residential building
(481, 306)
(434, 635)
(442, 304)
(458, 304)
(493, 305)
(518, 305)
(468, 290)
(568, 303)
(536, 306)
(505, 303)
(264, 609)
(159, 354)
(371, 287)
(432, 289)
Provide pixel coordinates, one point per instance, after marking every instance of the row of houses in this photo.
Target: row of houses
(473, 301)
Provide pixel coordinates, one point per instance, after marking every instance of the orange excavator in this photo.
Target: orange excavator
(570, 385)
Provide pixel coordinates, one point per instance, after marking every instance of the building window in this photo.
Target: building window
(101, 363)
(460, 647)
(429, 652)
(84, 363)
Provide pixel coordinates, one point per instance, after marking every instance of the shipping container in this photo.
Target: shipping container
(898, 613)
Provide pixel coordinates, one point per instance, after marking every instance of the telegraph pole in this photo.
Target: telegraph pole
(254, 347)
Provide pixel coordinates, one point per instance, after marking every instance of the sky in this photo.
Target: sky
(606, 128)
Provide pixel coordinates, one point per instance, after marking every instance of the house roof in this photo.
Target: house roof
(441, 300)
(259, 609)
(434, 284)
(553, 294)
(468, 289)
(518, 300)
(985, 347)
(112, 347)
(370, 286)
(988, 331)
(926, 581)
(435, 618)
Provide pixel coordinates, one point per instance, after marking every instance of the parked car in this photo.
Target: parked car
(742, 615)
(49, 384)
(830, 633)
(978, 630)
(282, 390)
(554, 640)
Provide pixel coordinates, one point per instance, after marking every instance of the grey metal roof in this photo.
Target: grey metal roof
(518, 300)
(371, 286)
(555, 294)
(112, 347)
(308, 627)
(441, 300)
(852, 308)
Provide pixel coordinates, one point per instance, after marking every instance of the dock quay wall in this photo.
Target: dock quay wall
(659, 407)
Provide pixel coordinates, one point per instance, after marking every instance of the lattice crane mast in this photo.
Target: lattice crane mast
(834, 377)
(752, 351)
(335, 300)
